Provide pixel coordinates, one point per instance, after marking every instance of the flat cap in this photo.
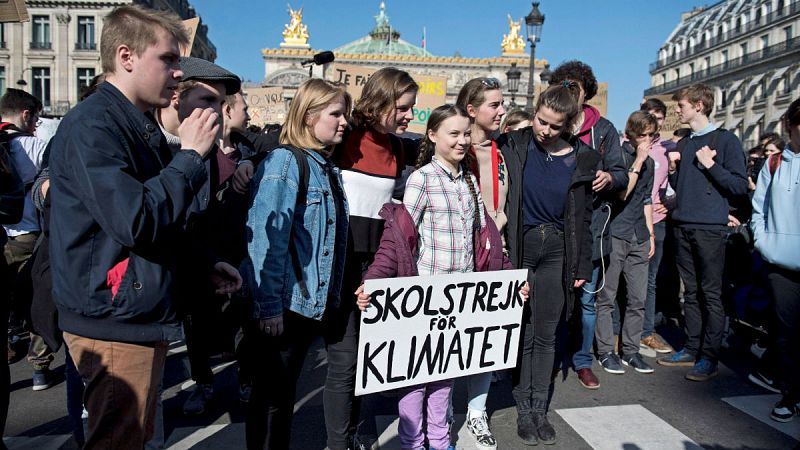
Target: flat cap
(202, 70)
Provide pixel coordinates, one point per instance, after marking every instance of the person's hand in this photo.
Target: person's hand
(363, 298)
(525, 291)
(602, 181)
(652, 247)
(660, 208)
(674, 158)
(198, 132)
(579, 283)
(706, 156)
(242, 177)
(643, 151)
(226, 278)
(272, 326)
(750, 185)
(733, 221)
(46, 186)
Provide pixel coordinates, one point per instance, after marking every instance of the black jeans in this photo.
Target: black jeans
(269, 414)
(543, 256)
(784, 286)
(701, 259)
(5, 377)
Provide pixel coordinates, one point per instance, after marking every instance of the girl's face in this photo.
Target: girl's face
(548, 125)
(398, 118)
(452, 139)
(328, 125)
(489, 115)
(771, 149)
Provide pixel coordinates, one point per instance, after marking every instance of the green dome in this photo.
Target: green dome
(382, 40)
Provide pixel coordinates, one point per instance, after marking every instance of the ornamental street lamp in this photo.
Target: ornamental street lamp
(513, 75)
(533, 25)
(21, 82)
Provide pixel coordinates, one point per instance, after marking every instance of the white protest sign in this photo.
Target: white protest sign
(423, 329)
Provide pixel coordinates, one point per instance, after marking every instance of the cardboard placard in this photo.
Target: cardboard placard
(671, 122)
(191, 27)
(600, 100)
(265, 105)
(432, 90)
(13, 11)
(423, 329)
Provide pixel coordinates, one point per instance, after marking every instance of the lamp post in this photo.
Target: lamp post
(513, 75)
(21, 82)
(533, 26)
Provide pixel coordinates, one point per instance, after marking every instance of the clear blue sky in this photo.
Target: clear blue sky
(618, 38)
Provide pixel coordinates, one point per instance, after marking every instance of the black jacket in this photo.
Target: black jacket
(117, 193)
(577, 212)
(12, 194)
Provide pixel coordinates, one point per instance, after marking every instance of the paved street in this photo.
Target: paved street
(632, 411)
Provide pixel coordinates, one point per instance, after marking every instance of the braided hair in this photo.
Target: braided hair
(427, 149)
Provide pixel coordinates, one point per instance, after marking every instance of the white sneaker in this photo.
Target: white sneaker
(479, 427)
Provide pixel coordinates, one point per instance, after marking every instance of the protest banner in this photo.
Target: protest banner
(422, 329)
(600, 100)
(191, 27)
(671, 122)
(432, 90)
(265, 105)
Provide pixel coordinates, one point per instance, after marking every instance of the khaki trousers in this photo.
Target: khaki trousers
(122, 382)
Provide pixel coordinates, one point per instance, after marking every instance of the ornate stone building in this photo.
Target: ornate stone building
(748, 50)
(383, 47)
(57, 53)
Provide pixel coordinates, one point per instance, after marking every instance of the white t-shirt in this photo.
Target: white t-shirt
(26, 154)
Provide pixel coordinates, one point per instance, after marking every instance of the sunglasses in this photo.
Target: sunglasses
(491, 83)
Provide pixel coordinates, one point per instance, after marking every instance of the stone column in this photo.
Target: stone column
(61, 75)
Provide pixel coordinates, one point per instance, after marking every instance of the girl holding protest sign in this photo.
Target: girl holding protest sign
(440, 228)
(482, 99)
(549, 212)
(297, 223)
(374, 163)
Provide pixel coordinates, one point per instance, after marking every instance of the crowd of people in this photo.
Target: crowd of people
(155, 214)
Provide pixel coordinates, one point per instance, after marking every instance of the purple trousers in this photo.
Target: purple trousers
(437, 397)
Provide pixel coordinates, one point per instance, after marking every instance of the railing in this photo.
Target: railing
(35, 45)
(772, 51)
(85, 46)
(699, 47)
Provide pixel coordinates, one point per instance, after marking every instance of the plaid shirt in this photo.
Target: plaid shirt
(443, 210)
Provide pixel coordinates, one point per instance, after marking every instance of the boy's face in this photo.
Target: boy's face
(202, 95)
(156, 72)
(236, 113)
(646, 137)
(687, 111)
(659, 117)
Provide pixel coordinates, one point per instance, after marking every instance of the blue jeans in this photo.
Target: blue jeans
(582, 359)
(648, 327)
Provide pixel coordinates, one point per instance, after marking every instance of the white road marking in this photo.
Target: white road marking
(197, 437)
(759, 407)
(625, 426)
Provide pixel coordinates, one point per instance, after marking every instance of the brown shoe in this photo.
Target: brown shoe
(588, 379)
(656, 343)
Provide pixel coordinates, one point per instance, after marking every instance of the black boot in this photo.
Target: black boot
(526, 429)
(545, 431)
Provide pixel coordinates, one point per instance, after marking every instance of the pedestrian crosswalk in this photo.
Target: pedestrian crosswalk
(759, 406)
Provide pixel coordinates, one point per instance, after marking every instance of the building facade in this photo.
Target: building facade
(57, 53)
(382, 47)
(748, 50)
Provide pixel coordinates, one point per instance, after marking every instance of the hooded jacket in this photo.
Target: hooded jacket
(776, 217)
(397, 254)
(577, 211)
(598, 133)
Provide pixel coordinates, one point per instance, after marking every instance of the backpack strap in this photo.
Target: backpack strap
(773, 163)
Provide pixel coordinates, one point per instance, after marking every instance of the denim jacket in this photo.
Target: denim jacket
(318, 234)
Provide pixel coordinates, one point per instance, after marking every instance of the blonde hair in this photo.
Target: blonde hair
(380, 95)
(136, 27)
(312, 96)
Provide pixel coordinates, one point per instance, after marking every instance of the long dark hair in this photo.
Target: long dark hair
(427, 149)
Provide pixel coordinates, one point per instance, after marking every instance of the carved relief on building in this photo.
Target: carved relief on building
(287, 77)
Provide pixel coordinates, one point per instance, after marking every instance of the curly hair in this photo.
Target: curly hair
(576, 71)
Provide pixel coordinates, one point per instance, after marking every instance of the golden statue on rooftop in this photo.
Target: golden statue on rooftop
(513, 44)
(295, 34)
